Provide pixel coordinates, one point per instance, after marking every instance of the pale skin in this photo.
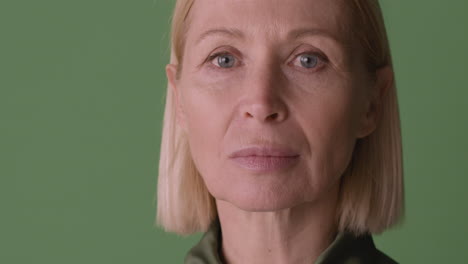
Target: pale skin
(266, 95)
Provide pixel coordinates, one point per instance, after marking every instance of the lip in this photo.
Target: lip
(265, 159)
(264, 151)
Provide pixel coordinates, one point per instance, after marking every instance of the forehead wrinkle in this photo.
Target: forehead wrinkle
(273, 23)
(271, 19)
(270, 25)
(253, 29)
(294, 34)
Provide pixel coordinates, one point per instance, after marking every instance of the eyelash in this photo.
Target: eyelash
(322, 60)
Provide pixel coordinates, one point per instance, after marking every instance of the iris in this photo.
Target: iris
(309, 61)
(226, 61)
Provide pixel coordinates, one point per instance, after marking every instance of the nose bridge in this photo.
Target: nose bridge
(261, 81)
(265, 89)
(264, 73)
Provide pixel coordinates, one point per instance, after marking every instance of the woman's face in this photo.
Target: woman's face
(284, 80)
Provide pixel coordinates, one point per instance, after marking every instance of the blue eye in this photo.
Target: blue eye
(309, 60)
(224, 60)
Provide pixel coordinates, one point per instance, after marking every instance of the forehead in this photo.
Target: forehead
(269, 18)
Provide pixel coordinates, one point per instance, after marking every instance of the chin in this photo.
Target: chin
(265, 200)
(261, 193)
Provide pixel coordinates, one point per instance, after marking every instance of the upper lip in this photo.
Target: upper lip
(274, 151)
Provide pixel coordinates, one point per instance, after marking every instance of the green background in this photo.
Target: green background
(82, 89)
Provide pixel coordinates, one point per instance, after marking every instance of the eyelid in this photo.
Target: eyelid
(223, 50)
(220, 53)
(322, 59)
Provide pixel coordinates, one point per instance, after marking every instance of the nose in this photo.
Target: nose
(264, 96)
(265, 112)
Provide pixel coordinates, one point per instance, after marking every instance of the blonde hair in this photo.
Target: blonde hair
(371, 191)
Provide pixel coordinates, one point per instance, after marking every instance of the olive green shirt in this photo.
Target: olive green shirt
(345, 249)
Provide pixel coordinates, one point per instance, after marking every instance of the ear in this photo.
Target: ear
(173, 85)
(374, 104)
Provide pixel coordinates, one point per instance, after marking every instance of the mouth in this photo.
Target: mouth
(265, 159)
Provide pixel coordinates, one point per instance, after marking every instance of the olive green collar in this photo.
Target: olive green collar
(345, 249)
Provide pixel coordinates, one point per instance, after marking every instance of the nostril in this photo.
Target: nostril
(273, 116)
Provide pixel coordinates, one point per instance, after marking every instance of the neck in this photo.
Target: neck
(293, 235)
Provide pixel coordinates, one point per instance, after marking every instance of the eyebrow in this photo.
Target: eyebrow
(302, 32)
(232, 32)
(293, 34)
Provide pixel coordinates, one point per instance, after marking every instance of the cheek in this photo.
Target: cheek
(208, 101)
(328, 117)
(207, 113)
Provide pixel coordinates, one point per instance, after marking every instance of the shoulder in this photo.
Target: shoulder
(206, 251)
(345, 249)
(350, 249)
(368, 253)
(382, 258)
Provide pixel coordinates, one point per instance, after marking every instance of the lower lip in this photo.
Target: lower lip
(265, 163)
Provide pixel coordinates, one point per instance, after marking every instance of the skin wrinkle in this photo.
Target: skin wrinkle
(320, 115)
(336, 50)
(333, 66)
(345, 30)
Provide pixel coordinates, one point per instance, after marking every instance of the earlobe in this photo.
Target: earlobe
(173, 86)
(373, 112)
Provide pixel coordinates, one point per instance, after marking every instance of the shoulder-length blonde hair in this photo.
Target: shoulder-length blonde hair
(371, 191)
